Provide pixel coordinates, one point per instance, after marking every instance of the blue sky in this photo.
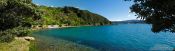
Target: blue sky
(114, 10)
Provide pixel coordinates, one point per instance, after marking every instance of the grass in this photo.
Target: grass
(33, 46)
(19, 44)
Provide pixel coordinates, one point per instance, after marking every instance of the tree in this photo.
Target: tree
(16, 17)
(86, 17)
(159, 13)
(14, 13)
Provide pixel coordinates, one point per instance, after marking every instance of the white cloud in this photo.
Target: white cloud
(51, 6)
(129, 11)
(129, 15)
(118, 20)
(37, 4)
(77, 7)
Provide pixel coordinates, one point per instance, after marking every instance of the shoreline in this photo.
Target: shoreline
(57, 45)
(18, 44)
(39, 27)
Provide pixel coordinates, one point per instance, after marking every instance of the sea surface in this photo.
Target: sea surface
(121, 37)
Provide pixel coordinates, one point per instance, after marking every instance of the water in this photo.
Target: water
(122, 37)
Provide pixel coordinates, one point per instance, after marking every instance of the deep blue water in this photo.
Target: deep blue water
(122, 37)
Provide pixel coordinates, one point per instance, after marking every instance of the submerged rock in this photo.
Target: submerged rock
(161, 47)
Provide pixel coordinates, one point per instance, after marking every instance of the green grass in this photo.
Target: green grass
(18, 44)
(33, 46)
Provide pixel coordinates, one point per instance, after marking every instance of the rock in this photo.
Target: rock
(161, 47)
(29, 38)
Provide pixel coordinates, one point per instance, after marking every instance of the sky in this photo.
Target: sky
(114, 10)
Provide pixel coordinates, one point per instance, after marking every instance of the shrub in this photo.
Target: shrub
(6, 37)
(20, 31)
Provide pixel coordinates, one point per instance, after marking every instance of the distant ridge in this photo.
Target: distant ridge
(129, 22)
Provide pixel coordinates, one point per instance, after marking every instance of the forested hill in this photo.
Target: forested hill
(69, 16)
(18, 16)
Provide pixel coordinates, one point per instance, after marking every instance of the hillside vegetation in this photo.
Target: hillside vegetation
(18, 16)
(70, 16)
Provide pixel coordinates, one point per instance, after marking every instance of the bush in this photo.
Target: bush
(6, 37)
(20, 31)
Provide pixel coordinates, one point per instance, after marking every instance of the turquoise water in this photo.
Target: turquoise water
(127, 37)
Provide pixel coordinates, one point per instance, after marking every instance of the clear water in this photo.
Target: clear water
(122, 37)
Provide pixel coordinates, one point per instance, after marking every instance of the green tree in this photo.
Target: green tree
(16, 17)
(88, 17)
(159, 13)
(13, 13)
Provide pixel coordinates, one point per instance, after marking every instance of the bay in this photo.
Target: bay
(121, 37)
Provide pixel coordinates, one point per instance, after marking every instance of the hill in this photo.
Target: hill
(129, 22)
(70, 16)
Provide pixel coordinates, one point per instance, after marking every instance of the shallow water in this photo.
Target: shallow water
(128, 37)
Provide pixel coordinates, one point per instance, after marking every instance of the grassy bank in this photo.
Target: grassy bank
(19, 44)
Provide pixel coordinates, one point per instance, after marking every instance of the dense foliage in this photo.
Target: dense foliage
(6, 37)
(9, 34)
(15, 13)
(159, 13)
(70, 16)
(89, 18)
